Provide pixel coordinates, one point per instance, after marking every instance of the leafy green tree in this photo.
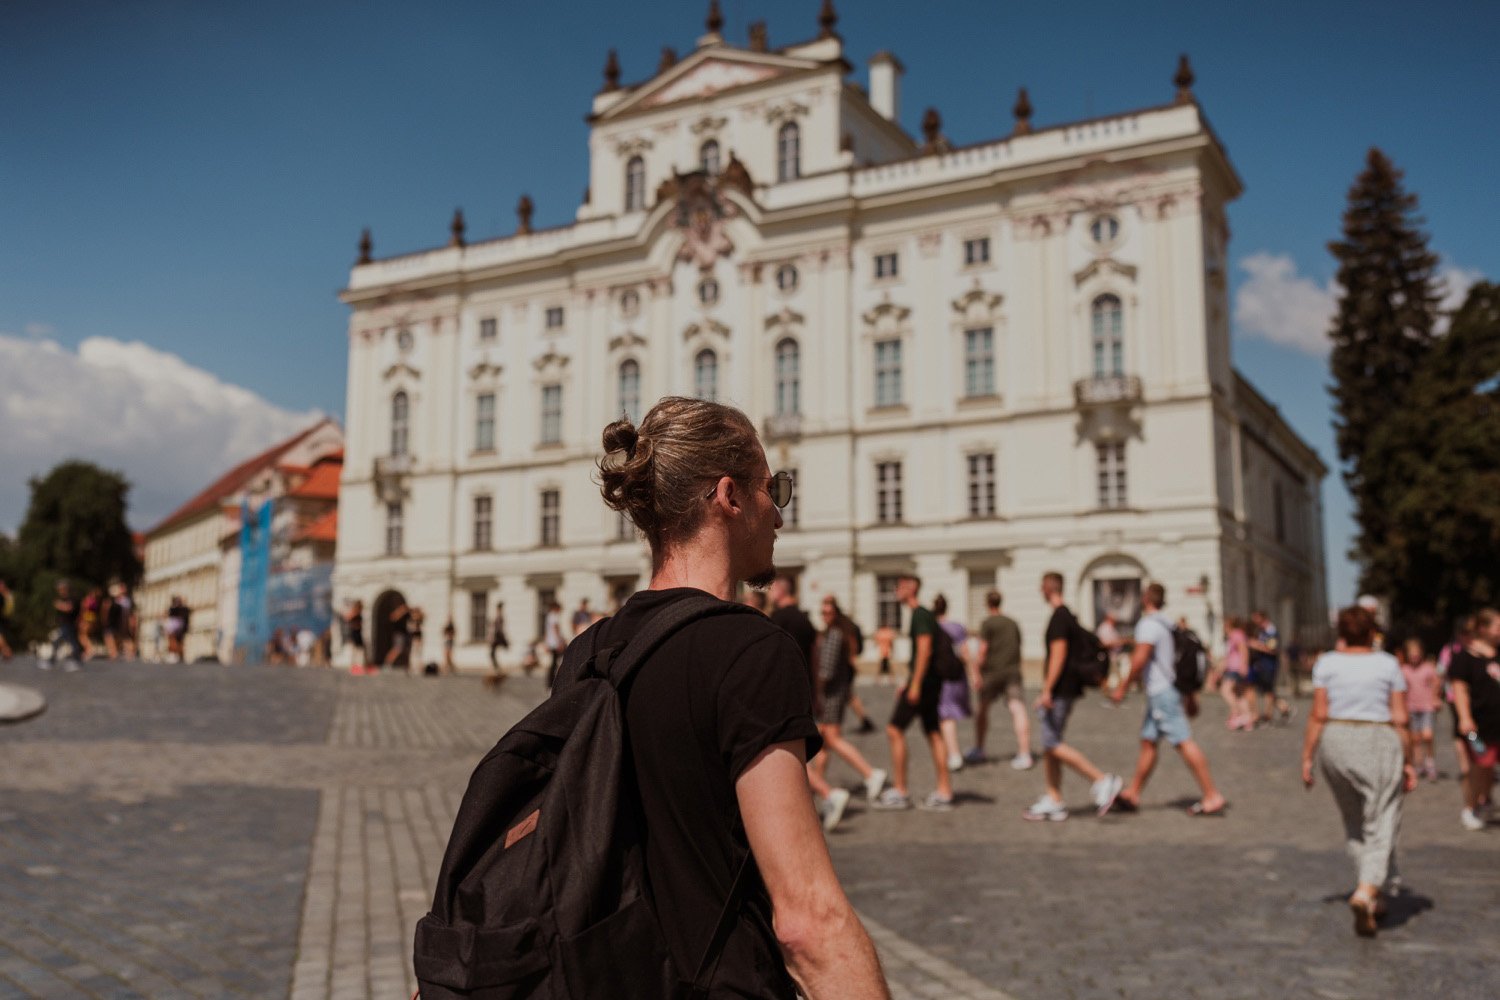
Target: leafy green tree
(1382, 332)
(74, 529)
(1441, 460)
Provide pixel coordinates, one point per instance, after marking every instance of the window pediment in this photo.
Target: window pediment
(485, 369)
(400, 369)
(977, 304)
(1104, 267)
(708, 326)
(886, 318)
(785, 318)
(627, 340)
(550, 361)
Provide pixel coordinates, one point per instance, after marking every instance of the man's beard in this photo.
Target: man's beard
(763, 579)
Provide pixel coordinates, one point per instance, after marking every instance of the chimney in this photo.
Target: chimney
(885, 85)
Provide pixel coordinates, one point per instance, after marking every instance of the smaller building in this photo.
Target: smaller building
(191, 553)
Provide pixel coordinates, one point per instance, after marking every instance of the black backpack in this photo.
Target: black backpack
(1191, 660)
(543, 890)
(1087, 657)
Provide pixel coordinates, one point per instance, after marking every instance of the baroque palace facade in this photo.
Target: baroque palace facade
(981, 362)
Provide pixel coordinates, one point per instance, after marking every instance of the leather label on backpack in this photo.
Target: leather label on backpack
(523, 828)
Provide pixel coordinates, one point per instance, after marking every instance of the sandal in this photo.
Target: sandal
(1197, 810)
(1365, 913)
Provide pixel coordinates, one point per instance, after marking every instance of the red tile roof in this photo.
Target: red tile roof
(322, 482)
(324, 529)
(233, 481)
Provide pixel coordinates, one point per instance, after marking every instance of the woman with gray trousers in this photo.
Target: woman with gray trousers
(1358, 733)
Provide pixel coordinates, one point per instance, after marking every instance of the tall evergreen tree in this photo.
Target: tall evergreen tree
(1442, 458)
(1381, 333)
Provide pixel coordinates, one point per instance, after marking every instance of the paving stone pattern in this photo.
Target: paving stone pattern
(203, 831)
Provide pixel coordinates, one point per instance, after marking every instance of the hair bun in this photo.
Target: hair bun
(621, 436)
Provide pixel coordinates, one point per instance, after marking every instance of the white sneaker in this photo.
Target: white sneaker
(1105, 791)
(936, 803)
(1471, 820)
(892, 799)
(833, 808)
(70, 666)
(875, 783)
(1046, 808)
(955, 762)
(1022, 762)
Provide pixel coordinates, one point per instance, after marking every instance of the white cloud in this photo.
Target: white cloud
(169, 427)
(1279, 305)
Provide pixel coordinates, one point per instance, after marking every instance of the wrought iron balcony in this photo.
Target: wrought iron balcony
(1107, 390)
(392, 466)
(783, 425)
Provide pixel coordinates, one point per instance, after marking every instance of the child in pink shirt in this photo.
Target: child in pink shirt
(1421, 702)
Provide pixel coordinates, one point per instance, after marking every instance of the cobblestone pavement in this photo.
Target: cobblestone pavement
(208, 831)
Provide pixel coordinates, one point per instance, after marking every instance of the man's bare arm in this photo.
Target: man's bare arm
(921, 657)
(826, 948)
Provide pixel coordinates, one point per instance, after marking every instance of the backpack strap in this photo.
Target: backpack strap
(624, 664)
(709, 963)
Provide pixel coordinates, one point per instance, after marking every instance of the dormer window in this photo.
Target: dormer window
(635, 184)
(1104, 230)
(788, 152)
(708, 291)
(554, 317)
(708, 158)
(786, 277)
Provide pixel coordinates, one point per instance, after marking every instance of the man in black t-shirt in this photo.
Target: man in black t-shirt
(719, 719)
(1061, 688)
(918, 700)
(66, 611)
(1475, 677)
(786, 614)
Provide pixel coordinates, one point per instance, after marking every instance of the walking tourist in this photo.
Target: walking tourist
(999, 676)
(415, 626)
(354, 629)
(833, 661)
(179, 618)
(1109, 636)
(554, 640)
(790, 618)
(918, 700)
(1445, 663)
(450, 633)
(953, 697)
(1061, 689)
(694, 480)
(91, 623)
(1234, 675)
(1475, 676)
(498, 638)
(65, 611)
(1420, 671)
(1265, 662)
(7, 618)
(1357, 732)
(885, 641)
(400, 622)
(582, 617)
(1167, 709)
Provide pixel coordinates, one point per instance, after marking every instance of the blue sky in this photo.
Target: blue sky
(190, 179)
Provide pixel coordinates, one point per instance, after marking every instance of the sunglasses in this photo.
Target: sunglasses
(781, 489)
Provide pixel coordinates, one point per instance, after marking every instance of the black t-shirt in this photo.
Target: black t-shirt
(697, 714)
(1063, 626)
(67, 612)
(796, 624)
(1482, 675)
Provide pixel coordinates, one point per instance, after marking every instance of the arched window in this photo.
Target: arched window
(635, 184)
(788, 152)
(1109, 337)
(788, 378)
(706, 375)
(630, 390)
(708, 157)
(400, 423)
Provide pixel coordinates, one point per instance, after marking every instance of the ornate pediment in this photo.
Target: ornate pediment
(1104, 266)
(977, 303)
(887, 317)
(786, 317)
(707, 72)
(708, 326)
(485, 369)
(549, 359)
(626, 341)
(632, 145)
(785, 111)
(400, 368)
(708, 124)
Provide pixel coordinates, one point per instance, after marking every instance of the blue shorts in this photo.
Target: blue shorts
(1166, 719)
(1054, 721)
(1263, 676)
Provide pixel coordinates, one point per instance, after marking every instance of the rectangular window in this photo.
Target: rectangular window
(887, 265)
(888, 492)
(484, 422)
(979, 362)
(982, 485)
(488, 330)
(395, 529)
(479, 622)
(977, 251)
(554, 317)
(624, 529)
(551, 515)
(789, 514)
(1112, 476)
(887, 372)
(551, 414)
(887, 607)
(484, 520)
(545, 596)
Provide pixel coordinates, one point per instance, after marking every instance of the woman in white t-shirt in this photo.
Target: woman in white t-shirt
(1358, 732)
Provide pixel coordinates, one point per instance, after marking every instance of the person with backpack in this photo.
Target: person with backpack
(1171, 660)
(930, 651)
(1075, 660)
(648, 830)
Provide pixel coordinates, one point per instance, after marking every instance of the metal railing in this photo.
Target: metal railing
(1107, 390)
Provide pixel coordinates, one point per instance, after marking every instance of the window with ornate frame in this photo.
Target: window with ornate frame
(888, 492)
(706, 375)
(551, 414)
(1111, 462)
(489, 329)
(976, 251)
(400, 423)
(629, 389)
(635, 184)
(484, 422)
(788, 152)
(787, 277)
(979, 362)
(395, 528)
(887, 265)
(788, 378)
(1107, 317)
(888, 372)
(479, 616)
